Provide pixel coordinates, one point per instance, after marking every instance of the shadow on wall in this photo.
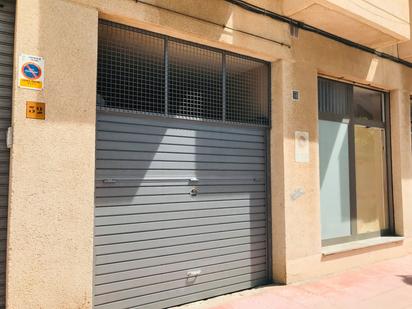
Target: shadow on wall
(152, 209)
(205, 10)
(73, 102)
(226, 23)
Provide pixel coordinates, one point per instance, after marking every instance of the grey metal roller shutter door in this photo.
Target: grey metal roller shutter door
(7, 11)
(150, 231)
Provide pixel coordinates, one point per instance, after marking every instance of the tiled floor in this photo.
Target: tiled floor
(386, 285)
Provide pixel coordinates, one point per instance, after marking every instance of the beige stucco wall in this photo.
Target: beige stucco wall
(379, 23)
(405, 48)
(402, 161)
(50, 233)
(52, 173)
(315, 55)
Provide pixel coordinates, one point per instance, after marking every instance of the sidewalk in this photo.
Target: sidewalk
(386, 285)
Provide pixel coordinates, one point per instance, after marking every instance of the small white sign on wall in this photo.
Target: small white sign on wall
(302, 147)
(31, 72)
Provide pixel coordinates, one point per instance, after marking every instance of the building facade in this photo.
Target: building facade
(156, 153)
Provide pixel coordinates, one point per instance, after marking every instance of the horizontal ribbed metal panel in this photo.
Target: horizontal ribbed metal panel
(150, 231)
(7, 11)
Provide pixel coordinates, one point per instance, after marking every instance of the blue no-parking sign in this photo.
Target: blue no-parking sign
(31, 72)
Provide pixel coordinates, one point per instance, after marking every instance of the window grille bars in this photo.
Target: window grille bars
(144, 72)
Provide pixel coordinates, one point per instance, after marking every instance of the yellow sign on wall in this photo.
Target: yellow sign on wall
(35, 110)
(30, 84)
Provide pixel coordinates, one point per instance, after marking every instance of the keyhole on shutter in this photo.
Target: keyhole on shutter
(194, 191)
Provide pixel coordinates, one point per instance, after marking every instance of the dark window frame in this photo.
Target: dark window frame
(352, 121)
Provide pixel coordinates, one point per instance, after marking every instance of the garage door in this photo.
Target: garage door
(7, 9)
(181, 174)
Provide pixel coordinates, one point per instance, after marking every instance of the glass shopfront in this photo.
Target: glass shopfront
(354, 162)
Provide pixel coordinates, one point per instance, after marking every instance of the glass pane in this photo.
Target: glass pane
(371, 192)
(368, 104)
(334, 179)
(334, 97)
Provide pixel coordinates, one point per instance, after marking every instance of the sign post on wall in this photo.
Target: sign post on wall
(31, 72)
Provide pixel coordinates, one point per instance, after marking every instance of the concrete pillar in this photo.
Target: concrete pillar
(401, 161)
(277, 171)
(50, 233)
(303, 236)
(295, 186)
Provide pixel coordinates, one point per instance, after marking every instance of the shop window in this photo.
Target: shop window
(353, 158)
(371, 182)
(368, 104)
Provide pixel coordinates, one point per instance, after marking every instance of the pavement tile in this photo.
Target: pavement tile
(395, 299)
(347, 280)
(303, 297)
(385, 285)
(318, 288)
(262, 301)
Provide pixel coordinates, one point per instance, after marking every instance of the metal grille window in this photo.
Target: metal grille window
(195, 81)
(334, 98)
(149, 73)
(247, 90)
(131, 70)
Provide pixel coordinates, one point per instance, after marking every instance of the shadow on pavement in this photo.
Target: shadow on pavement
(407, 279)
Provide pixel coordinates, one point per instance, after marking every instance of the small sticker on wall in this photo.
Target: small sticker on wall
(31, 72)
(35, 110)
(302, 147)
